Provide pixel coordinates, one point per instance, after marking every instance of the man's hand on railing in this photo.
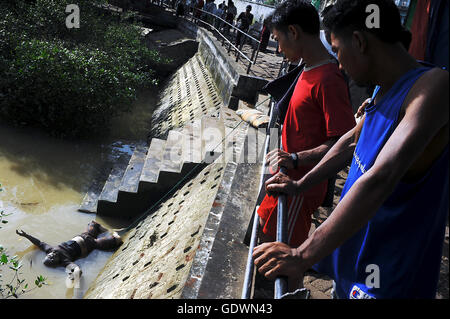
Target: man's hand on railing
(281, 183)
(275, 259)
(278, 158)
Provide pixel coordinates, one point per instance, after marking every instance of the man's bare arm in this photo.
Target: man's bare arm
(338, 157)
(278, 157)
(313, 156)
(40, 244)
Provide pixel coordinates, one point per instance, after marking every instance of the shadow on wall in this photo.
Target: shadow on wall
(174, 45)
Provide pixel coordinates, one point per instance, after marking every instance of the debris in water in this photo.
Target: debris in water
(29, 204)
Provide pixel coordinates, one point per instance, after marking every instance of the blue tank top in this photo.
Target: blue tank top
(397, 253)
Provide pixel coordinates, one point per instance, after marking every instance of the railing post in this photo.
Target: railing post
(253, 61)
(257, 52)
(250, 267)
(281, 283)
(249, 270)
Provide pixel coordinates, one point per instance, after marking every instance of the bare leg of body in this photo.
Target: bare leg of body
(108, 242)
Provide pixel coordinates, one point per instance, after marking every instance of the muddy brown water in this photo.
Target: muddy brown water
(44, 181)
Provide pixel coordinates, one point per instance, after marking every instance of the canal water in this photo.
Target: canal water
(43, 183)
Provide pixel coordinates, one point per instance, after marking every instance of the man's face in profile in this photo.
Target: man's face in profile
(286, 44)
(350, 58)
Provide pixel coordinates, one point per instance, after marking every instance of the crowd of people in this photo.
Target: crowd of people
(227, 12)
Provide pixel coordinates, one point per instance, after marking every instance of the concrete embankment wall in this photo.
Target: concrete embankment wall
(223, 71)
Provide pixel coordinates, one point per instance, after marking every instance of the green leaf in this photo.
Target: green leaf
(4, 259)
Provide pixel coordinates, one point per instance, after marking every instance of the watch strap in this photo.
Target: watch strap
(294, 157)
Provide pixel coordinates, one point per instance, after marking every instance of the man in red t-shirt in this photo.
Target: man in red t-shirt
(319, 113)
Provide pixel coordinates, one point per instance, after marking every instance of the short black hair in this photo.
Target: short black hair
(300, 12)
(405, 38)
(351, 15)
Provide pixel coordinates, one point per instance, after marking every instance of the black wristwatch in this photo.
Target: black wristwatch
(294, 159)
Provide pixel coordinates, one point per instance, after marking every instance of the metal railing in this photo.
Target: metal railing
(281, 283)
(244, 37)
(250, 268)
(221, 29)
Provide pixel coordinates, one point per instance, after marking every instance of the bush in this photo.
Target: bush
(69, 81)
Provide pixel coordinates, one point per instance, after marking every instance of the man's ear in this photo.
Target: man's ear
(295, 30)
(359, 41)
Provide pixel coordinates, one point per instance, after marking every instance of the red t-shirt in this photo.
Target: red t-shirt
(319, 109)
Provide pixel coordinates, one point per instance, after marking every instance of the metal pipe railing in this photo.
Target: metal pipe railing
(249, 269)
(225, 38)
(238, 50)
(281, 283)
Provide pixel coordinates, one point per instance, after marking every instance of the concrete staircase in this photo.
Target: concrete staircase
(155, 169)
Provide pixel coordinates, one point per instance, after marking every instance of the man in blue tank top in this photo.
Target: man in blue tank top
(384, 239)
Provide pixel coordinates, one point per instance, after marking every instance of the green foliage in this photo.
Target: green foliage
(271, 2)
(69, 81)
(17, 286)
(66, 90)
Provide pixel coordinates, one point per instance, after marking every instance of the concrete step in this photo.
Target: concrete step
(130, 179)
(192, 147)
(160, 169)
(182, 155)
(120, 198)
(213, 134)
(147, 186)
(111, 187)
(110, 172)
(172, 160)
(89, 203)
(150, 171)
